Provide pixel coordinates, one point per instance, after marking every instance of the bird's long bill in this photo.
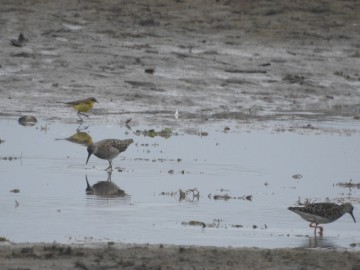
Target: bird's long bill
(88, 158)
(353, 217)
(88, 187)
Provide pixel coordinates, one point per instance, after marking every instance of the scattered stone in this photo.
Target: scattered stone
(20, 41)
(150, 70)
(9, 158)
(237, 226)
(294, 78)
(297, 176)
(27, 120)
(194, 223)
(224, 197)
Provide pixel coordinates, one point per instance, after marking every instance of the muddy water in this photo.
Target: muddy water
(245, 180)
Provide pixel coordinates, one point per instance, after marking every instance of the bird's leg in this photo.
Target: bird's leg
(80, 127)
(321, 230)
(83, 114)
(311, 225)
(79, 115)
(109, 176)
(110, 166)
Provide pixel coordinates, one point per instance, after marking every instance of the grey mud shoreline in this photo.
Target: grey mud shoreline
(127, 256)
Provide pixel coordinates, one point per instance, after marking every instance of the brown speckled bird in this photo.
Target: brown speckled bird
(322, 213)
(108, 149)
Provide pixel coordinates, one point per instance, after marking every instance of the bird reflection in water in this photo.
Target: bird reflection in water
(318, 242)
(104, 188)
(80, 137)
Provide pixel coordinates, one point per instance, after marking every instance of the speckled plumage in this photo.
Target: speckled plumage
(108, 149)
(322, 213)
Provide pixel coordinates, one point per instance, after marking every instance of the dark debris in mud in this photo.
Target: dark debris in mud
(345, 197)
(194, 223)
(306, 201)
(191, 194)
(297, 176)
(173, 172)
(23, 54)
(346, 76)
(349, 184)
(194, 194)
(226, 197)
(9, 158)
(20, 41)
(218, 223)
(294, 78)
(152, 133)
(3, 239)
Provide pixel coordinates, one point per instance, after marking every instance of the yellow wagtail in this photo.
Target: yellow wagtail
(82, 106)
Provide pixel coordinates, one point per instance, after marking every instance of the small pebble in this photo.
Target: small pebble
(27, 120)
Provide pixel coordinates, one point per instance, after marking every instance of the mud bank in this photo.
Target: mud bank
(212, 60)
(121, 256)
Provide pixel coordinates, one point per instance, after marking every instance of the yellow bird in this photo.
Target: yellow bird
(82, 106)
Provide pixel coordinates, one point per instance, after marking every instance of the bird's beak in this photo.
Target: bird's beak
(88, 188)
(352, 215)
(88, 157)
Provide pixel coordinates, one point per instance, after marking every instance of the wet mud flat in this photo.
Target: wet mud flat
(247, 62)
(211, 60)
(121, 256)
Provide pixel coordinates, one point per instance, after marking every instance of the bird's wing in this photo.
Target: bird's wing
(77, 102)
(119, 145)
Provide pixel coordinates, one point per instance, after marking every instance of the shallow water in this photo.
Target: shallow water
(52, 204)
